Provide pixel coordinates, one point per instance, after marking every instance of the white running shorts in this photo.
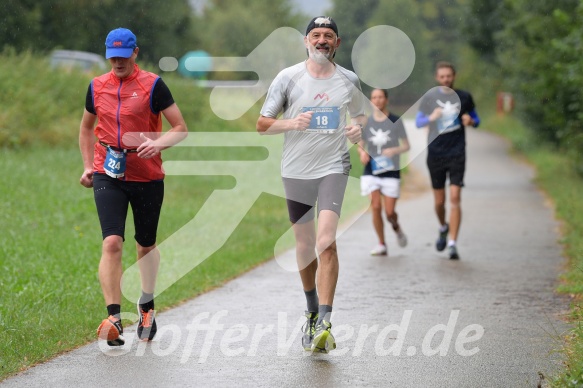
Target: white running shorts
(389, 187)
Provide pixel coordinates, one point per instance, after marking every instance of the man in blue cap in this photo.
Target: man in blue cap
(124, 167)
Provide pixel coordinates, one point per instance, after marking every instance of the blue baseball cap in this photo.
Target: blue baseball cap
(120, 42)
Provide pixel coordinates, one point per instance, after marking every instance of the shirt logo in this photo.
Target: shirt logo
(449, 109)
(135, 95)
(379, 138)
(322, 96)
(448, 121)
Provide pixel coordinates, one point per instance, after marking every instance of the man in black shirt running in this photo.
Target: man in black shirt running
(447, 112)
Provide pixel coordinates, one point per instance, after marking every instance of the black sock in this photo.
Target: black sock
(146, 301)
(312, 299)
(114, 309)
(324, 313)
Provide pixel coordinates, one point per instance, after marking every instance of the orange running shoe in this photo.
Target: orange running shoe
(147, 324)
(111, 331)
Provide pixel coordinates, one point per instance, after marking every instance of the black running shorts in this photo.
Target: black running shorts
(441, 167)
(302, 194)
(112, 197)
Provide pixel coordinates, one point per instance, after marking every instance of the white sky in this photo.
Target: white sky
(309, 7)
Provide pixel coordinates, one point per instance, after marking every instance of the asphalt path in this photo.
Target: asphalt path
(412, 319)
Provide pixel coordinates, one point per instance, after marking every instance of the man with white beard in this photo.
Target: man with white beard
(313, 98)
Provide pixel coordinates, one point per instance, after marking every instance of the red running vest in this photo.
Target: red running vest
(123, 108)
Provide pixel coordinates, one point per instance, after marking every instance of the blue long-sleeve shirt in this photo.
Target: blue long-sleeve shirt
(422, 120)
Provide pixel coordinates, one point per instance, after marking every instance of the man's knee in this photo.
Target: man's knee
(327, 246)
(455, 200)
(305, 247)
(112, 244)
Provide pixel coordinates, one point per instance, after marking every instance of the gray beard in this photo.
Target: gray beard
(318, 57)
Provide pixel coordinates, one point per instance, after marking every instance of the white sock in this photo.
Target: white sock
(443, 228)
(451, 243)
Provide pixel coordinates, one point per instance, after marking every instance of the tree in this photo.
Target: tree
(568, 65)
(19, 23)
(405, 15)
(236, 29)
(162, 30)
(529, 52)
(483, 20)
(230, 28)
(352, 17)
(441, 24)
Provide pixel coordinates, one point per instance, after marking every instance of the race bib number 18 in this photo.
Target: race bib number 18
(325, 119)
(115, 163)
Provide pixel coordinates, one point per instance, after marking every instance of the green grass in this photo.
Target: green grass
(557, 176)
(51, 245)
(27, 117)
(51, 241)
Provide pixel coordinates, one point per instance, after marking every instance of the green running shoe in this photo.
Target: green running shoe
(323, 340)
(309, 329)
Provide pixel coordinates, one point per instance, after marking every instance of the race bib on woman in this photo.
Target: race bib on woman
(380, 164)
(115, 163)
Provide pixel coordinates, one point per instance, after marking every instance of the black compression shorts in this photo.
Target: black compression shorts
(112, 197)
(441, 167)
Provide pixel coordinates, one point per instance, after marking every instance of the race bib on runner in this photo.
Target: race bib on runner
(448, 124)
(380, 164)
(325, 119)
(115, 163)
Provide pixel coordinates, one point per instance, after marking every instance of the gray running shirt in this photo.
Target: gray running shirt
(312, 155)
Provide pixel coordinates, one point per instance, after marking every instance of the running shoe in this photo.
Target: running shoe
(323, 340)
(442, 239)
(401, 239)
(309, 329)
(453, 255)
(379, 250)
(147, 324)
(111, 331)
